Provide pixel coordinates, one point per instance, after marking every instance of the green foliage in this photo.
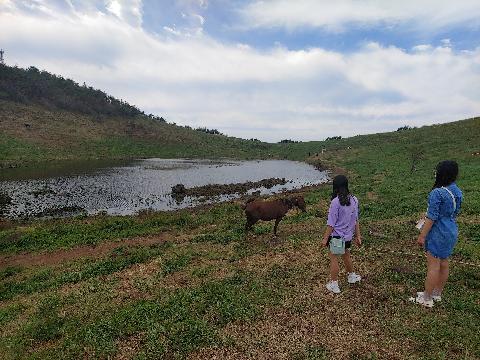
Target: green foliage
(45, 279)
(66, 233)
(40, 87)
(9, 313)
(209, 131)
(46, 324)
(178, 324)
(177, 262)
(9, 271)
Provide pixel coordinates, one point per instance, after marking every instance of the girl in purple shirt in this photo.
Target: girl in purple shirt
(342, 223)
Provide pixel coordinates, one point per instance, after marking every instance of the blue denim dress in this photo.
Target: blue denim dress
(443, 236)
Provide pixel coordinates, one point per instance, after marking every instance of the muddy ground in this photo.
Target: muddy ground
(212, 190)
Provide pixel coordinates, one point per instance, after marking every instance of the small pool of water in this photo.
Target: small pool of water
(124, 188)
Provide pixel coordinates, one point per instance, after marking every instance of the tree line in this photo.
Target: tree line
(34, 86)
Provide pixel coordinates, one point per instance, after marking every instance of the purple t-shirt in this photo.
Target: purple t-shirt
(343, 218)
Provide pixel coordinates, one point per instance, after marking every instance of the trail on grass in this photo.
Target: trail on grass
(87, 251)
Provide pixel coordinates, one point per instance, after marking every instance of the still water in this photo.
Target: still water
(124, 188)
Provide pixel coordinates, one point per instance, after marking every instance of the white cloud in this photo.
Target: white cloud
(336, 15)
(422, 47)
(172, 30)
(270, 94)
(192, 21)
(129, 11)
(446, 42)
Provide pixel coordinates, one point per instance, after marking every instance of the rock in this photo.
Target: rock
(178, 189)
(5, 200)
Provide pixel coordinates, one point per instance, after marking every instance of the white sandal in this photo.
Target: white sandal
(421, 300)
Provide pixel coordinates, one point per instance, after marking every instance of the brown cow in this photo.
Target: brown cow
(269, 210)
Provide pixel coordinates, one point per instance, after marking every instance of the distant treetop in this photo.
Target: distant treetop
(209, 131)
(333, 138)
(406, 127)
(288, 141)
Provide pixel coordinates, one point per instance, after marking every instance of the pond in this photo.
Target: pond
(125, 188)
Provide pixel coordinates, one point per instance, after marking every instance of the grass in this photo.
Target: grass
(207, 291)
(62, 135)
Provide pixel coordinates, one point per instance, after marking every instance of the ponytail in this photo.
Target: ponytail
(340, 189)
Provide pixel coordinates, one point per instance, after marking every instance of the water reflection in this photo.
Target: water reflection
(126, 188)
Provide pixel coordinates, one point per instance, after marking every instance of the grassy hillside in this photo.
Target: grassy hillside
(46, 117)
(188, 284)
(58, 134)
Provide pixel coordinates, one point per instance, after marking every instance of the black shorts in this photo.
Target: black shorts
(348, 244)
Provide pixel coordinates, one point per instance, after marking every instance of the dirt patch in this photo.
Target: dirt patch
(128, 289)
(6, 224)
(129, 347)
(379, 178)
(471, 219)
(95, 251)
(372, 196)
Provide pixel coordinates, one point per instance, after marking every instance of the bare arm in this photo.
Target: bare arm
(328, 232)
(358, 237)
(425, 230)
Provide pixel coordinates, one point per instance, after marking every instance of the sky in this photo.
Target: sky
(272, 69)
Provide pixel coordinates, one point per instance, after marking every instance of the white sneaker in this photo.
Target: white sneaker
(421, 300)
(437, 298)
(333, 287)
(353, 278)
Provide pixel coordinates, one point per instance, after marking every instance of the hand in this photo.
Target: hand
(358, 240)
(421, 240)
(325, 242)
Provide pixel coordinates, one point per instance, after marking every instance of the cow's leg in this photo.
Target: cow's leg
(277, 220)
(249, 224)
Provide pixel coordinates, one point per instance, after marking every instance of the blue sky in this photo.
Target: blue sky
(224, 21)
(270, 69)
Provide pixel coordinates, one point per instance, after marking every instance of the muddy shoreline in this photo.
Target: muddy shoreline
(212, 190)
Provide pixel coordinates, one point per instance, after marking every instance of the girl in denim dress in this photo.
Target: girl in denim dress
(439, 234)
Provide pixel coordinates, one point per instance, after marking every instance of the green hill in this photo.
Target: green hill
(46, 117)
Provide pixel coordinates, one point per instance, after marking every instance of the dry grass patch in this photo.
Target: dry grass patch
(128, 348)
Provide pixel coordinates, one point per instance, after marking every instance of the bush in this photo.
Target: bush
(209, 131)
(333, 138)
(404, 128)
(288, 141)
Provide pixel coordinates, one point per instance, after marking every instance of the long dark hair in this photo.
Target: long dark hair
(446, 173)
(340, 189)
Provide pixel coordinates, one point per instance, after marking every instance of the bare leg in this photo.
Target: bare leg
(334, 268)
(443, 276)
(347, 260)
(433, 275)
